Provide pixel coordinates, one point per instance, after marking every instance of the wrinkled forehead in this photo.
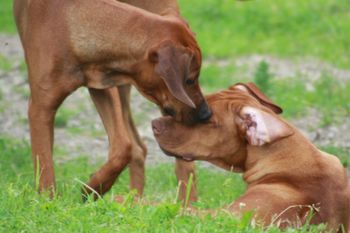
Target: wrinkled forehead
(188, 54)
(233, 99)
(183, 56)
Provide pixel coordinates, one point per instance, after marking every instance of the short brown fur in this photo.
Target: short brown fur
(107, 45)
(286, 177)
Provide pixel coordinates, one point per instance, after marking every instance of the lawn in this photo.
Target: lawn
(23, 210)
(298, 28)
(226, 30)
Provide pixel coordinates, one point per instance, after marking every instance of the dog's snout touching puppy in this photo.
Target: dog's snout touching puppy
(204, 112)
(240, 116)
(288, 179)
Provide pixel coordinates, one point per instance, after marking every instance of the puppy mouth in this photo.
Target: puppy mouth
(186, 157)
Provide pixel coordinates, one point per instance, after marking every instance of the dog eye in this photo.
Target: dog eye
(169, 112)
(190, 81)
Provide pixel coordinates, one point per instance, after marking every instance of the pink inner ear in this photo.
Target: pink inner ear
(261, 127)
(256, 133)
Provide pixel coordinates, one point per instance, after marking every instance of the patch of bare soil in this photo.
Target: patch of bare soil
(310, 68)
(14, 92)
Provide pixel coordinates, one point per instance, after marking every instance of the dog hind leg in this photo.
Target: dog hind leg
(108, 105)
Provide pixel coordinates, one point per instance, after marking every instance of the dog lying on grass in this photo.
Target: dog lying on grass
(288, 179)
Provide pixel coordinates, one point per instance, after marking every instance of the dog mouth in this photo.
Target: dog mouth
(186, 157)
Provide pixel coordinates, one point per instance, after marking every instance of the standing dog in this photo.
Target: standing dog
(107, 45)
(287, 176)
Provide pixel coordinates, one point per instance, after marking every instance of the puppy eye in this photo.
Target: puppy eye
(214, 124)
(190, 81)
(169, 112)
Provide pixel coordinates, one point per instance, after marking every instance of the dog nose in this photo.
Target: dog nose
(157, 126)
(204, 112)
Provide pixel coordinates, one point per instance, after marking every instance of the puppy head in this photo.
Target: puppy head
(240, 118)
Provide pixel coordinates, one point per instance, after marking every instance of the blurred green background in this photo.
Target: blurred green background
(298, 53)
(227, 28)
(298, 28)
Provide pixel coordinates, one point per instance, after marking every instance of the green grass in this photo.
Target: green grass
(5, 64)
(262, 77)
(63, 115)
(23, 210)
(6, 18)
(298, 28)
(342, 153)
(214, 78)
(328, 96)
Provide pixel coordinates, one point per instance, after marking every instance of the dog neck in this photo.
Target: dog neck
(264, 164)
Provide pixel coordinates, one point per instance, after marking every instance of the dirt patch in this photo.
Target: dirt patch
(310, 68)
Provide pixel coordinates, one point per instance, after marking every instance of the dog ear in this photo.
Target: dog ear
(260, 127)
(253, 90)
(170, 69)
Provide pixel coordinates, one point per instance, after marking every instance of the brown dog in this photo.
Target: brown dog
(102, 44)
(287, 176)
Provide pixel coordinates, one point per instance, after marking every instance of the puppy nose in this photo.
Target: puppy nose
(157, 127)
(204, 112)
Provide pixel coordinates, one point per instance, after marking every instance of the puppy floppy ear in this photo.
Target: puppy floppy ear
(260, 127)
(172, 69)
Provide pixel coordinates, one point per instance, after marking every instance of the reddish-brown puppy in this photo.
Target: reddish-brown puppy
(108, 45)
(286, 175)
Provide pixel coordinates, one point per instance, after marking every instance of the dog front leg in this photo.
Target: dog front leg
(43, 105)
(41, 131)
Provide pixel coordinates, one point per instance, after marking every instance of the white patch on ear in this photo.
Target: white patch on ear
(261, 127)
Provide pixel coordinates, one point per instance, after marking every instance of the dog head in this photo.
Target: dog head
(242, 116)
(169, 77)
